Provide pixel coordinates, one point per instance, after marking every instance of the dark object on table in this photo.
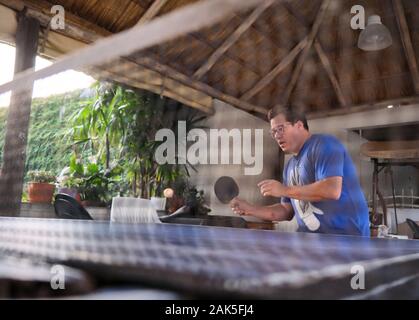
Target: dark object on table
(66, 207)
(225, 221)
(186, 215)
(174, 203)
(183, 211)
(226, 189)
(414, 227)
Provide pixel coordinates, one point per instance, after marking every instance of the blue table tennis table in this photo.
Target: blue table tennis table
(213, 262)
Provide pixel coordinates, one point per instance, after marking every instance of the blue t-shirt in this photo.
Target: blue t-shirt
(321, 157)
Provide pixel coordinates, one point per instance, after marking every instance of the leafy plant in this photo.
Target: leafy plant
(94, 182)
(192, 197)
(48, 126)
(71, 182)
(117, 127)
(41, 177)
(25, 197)
(195, 200)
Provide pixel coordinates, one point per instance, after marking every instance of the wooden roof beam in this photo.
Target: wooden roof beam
(76, 27)
(153, 64)
(303, 57)
(151, 12)
(275, 71)
(322, 55)
(296, 14)
(407, 42)
(132, 74)
(136, 83)
(329, 69)
(363, 107)
(232, 39)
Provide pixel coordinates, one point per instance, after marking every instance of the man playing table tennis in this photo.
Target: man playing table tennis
(320, 186)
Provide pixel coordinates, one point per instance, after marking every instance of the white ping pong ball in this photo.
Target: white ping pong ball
(168, 193)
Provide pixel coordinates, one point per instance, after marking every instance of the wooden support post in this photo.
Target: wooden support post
(14, 152)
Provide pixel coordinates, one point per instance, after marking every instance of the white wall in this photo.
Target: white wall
(405, 178)
(341, 126)
(229, 118)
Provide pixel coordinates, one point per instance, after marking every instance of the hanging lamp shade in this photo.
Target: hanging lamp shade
(375, 36)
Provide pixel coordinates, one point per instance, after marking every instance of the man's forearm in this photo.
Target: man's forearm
(276, 212)
(329, 189)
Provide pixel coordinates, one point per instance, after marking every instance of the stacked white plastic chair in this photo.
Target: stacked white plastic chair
(133, 210)
(158, 203)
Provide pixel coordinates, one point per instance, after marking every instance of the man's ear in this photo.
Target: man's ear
(299, 124)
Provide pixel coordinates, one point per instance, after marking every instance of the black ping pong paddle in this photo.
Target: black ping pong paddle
(226, 189)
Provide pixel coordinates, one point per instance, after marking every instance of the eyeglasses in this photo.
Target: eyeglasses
(279, 129)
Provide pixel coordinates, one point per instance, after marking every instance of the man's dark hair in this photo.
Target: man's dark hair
(292, 115)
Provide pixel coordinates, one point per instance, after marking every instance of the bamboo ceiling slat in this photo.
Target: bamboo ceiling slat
(364, 77)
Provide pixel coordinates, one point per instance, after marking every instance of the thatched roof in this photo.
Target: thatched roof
(299, 51)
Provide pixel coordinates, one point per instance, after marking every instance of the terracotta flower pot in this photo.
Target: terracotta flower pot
(40, 192)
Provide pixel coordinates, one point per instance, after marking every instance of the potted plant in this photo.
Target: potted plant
(183, 194)
(92, 191)
(41, 186)
(95, 184)
(194, 199)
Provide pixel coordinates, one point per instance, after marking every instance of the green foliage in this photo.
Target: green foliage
(105, 142)
(192, 197)
(93, 181)
(25, 197)
(3, 117)
(71, 182)
(47, 149)
(98, 125)
(99, 188)
(118, 127)
(195, 200)
(41, 176)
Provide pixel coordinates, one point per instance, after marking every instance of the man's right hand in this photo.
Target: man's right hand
(276, 212)
(241, 207)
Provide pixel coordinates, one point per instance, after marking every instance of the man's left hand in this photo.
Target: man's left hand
(272, 188)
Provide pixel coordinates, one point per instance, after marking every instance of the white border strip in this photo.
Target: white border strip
(188, 19)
